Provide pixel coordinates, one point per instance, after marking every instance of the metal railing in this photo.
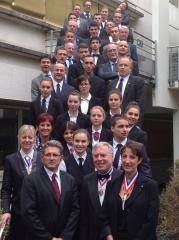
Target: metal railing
(146, 50)
(174, 66)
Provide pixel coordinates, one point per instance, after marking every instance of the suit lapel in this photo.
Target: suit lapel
(127, 88)
(93, 192)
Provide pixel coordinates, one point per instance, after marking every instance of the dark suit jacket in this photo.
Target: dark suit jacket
(55, 108)
(14, 173)
(74, 71)
(138, 135)
(98, 87)
(105, 72)
(134, 91)
(90, 222)
(66, 90)
(139, 218)
(82, 121)
(74, 169)
(105, 135)
(144, 166)
(43, 215)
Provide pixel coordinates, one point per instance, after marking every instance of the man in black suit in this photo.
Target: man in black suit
(50, 207)
(98, 88)
(87, 5)
(45, 102)
(45, 66)
(131, 87)
(93, 191)
(120, 130)
(76, 69)
(61, 90)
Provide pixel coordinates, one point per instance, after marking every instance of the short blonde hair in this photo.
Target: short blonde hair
(99, 108)
(26, 128)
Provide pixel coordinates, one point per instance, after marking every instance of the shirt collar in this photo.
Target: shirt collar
(23, 154)
(47, 99)
(50, 173)
(99, 130)
(115, 143)
(76, 156)
(88, 98)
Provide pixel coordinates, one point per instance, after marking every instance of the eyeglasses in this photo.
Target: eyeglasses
(55, 155)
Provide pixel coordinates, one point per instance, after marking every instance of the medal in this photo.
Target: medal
(127, 187)
(100, 192)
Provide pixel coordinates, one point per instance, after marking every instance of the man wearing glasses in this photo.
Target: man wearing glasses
(50, 207)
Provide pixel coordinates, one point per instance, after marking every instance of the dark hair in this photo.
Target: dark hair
(125, 3)
(82, 130)
(94, 24)
(69, 125)
(82, 45)
(46, 79)
(115, 91)
(44, 56)
(44, 117)
(117, 117)
(71, 14)
(132, 105)
(59, 48)
(81, 79)
(135, 148)
(75, 93)
(95, 38)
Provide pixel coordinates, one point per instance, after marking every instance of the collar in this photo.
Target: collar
(94, 130)
(76, 156)
(55, 83)
(50, 173)
(47, 99)
(23, 154)
(115, 143)
(88, 98)
(48, 73)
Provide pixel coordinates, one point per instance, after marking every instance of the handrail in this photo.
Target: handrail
(144, 36)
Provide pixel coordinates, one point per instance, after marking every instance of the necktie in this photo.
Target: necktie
(58, 90)
(80, 163)
(43, 107)
(55, 187)
(120, 85)
(47, 75)
(70, 61)
(87, 15)
(113, 66)
(96, 136)
(117, 156)
(27, 160)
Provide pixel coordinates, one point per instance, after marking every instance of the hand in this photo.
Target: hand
(5, 219)
(109, 237)
(54, 238)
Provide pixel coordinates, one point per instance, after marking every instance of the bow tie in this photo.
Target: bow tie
(103, 176)
(95, 55)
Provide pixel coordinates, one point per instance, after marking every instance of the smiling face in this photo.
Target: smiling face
(59, 72)
(80, 143)
(132, 115)
(45, 129)
(130, 162)
(68, 136)
(114, 101)
(45, 65)
(102, 159)
(26, 141)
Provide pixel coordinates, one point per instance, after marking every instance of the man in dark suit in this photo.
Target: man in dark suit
(50, 207)
(76, 69)
(108, 70)
(45, 65)
(98, 88)
(61, 90)
(120, 129)
(93, 191)
(131, 87)
(45, 103)
(87, 5)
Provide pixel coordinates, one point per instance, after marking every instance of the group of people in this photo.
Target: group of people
(82, 170)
